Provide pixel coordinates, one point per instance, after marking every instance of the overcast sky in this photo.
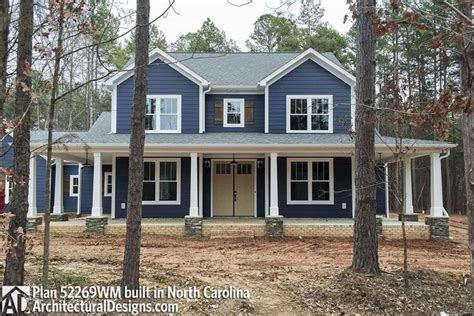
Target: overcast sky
(237, 22)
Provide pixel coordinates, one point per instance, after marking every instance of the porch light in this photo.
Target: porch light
(86, 164)
(207, 164)
(233, 162)
(259, 164)
(380, 163)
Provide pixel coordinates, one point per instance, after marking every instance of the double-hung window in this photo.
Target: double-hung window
(163, 113)
(74, 185)
(234, 115)
(310, 181)
(309, 114)
(161, 181)
(108, 183)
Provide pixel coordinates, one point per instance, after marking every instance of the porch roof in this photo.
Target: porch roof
(99, 136)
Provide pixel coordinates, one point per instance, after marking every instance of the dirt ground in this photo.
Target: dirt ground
(285, 275)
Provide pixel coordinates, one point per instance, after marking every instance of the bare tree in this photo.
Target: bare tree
(131, 262)
(4, 28)
(365, 258)
(467, 81)
(15, 260)
(52, 105)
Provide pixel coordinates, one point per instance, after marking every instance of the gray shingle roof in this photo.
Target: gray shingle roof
(237, 69)
(100, 134)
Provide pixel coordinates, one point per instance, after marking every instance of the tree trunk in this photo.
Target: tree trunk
(52, 106)
(365, 258)
(131, 262)
(4, 28)
(15, 261)
(467, 76)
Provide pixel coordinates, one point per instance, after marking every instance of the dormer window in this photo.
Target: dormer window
(309, 114)
(163, 114)
(234, 112)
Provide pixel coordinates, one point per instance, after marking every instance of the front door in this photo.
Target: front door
(234, 188)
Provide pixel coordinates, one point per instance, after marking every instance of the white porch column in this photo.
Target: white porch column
(193, 203)
(97, 186)
(32, 210)
(274, 211)
(437, 208)
(58, 206)
(407, 187)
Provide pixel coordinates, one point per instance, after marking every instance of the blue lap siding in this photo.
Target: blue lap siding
(152, 211)
(309, 79)
(70, 202)
(342, 188)
(162, 79)
(258, 113)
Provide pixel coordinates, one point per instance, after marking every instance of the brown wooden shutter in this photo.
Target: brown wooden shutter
(249, 113)
(219, 112)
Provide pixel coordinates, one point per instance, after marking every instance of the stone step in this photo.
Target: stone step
(231, 233)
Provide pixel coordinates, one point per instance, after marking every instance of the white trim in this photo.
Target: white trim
(71, 185)
(194, 186)
(310, 113)
(79, 197)
(58, 206)
(8, 181)
(155, 54)
(112, 202)
(113, 122)
(32, 186)
(318, 58)
(407, 187)
(106, 175)
(436, 187)
(267, 123)
(97, 209)
(254, 162)
(310, 181)
(274, 209)
(157, 181)
(242, 112)
(157, 113)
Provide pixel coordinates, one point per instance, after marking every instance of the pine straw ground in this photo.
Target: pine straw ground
(287, 275)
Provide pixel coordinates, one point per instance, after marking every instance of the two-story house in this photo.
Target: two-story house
(235, 135)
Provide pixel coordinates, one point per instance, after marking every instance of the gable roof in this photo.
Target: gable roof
(224, 70)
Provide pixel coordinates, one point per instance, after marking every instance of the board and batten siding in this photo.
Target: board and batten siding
(258, 113)
(151, 211)
(309, 79)
(162, 79)
(87, 186)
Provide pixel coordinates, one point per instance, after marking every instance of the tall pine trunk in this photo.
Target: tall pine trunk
(467, 78)
(365, 258)
(15, 261)
(52, 106)
(4, 28)
(131, 262)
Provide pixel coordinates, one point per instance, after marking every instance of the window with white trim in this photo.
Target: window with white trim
(234, 112)
(161, 181)
(310, 181)
(309, 114)
(74, 185)
(108, 184)
(163, 113)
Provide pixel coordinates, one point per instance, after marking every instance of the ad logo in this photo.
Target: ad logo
(14, 299)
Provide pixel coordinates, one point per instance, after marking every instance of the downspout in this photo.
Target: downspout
(445, 213)
(203, 117)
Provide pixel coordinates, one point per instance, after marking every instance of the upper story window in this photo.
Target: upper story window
(234, 112)
(310, 181)
(163, 114)
(161, 181)
(309, 114)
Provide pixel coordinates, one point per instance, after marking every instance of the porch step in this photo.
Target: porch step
(231, 233)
